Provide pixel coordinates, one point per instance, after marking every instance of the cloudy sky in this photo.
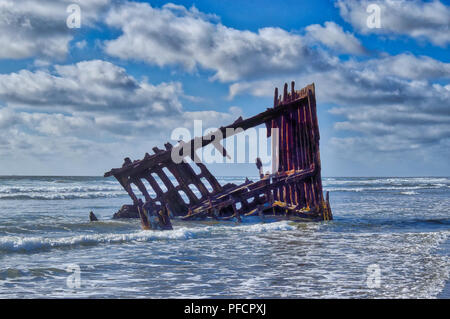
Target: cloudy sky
(76, 101)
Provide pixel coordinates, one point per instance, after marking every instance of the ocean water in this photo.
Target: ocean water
(389, 239)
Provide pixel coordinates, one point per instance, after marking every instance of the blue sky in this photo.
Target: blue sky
(77, 101)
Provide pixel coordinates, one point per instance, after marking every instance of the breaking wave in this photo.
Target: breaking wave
(76, 188)
(405, 186)
(38, 243)
(409, 193)
(31, 244)
(58, 196)
(261, 228)
(384, 188)
(51, 192)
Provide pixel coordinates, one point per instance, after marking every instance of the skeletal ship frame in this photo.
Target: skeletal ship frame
(292, 191)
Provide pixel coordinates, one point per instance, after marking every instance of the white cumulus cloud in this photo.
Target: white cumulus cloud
(173, 35)
(420, 20)
(31, 28)
(333, 36)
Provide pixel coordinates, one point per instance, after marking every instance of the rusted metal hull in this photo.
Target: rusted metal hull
(294, 190)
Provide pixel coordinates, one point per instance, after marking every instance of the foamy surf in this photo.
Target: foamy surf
(382, 188)
(37, 243)
(31, 244)
(397, 223)
(267, 227)
(60, 196)
(409, 193)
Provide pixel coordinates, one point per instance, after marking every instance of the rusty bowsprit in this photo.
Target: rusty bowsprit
(293, 190)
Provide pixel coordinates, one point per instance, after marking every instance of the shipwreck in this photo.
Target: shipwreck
(293, 190)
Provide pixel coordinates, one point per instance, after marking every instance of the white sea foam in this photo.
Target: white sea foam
(267, 227)
(382, 188)
(63, 189)
(37, 243)
(29, 244)
(388, 182)
(409, 193)
(57, 196)
(48, 191)
(252, 259)
(67, 189)
(56, 191)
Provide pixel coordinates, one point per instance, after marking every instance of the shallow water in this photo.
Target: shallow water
(397, 225)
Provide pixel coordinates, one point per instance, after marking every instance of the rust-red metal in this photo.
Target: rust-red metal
(294, 190)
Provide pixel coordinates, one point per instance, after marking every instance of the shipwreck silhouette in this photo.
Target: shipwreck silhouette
(293, 191)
